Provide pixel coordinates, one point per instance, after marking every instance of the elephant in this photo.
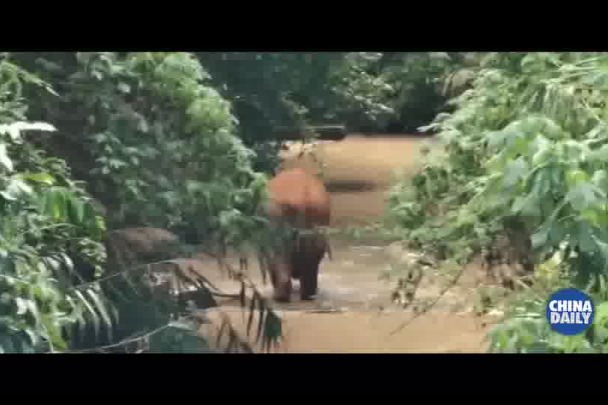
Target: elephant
(298, 204)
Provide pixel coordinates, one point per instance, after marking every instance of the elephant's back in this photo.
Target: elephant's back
(299, 193)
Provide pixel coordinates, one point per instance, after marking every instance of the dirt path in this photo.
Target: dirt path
(354, 314)
(358, 171)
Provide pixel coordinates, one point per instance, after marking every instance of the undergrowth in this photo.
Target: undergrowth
(57, 293)
(523, 178)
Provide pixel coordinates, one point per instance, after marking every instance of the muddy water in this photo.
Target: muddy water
(353, 312)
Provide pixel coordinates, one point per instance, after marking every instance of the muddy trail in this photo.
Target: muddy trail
(353, 312)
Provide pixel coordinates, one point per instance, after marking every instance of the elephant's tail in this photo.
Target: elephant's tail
(330, 255)
(319, 237)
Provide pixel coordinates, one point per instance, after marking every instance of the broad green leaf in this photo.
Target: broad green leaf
(576, 177)
(515, 171)
(123, 87)
(5, 160)
(22, 306)
(101, 307)
(14, 130)
(58, 205)
(586, 239)
(44, 178)
(592, 216)
(17, 188)
(94, 317)
(583, 196)
(601, 310)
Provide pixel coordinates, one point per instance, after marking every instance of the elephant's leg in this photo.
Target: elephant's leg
(272, 271)
(280, 271)
(307, 262)
(308, 281)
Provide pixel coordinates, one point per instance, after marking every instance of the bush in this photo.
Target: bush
(57, 295)
(524, 149)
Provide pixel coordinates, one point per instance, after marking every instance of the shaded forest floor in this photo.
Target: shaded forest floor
(354, 312)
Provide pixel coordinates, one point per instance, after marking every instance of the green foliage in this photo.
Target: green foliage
(419, 84)
(289, 90)
(526, 330)
(55, 295)
(42, 223)
(524, 146)
(280, 94)
(160, 141)
(46, 221)
(367, 91)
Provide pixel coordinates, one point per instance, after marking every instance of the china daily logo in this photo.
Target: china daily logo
(570, 311)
